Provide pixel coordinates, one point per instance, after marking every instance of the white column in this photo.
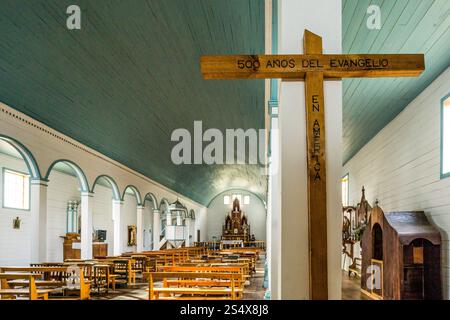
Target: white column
(274, 216)
(86, 225)
(38, 213)
(322, 17)
(140, 229)
(168, 218)
(117, 234)
(156, 228)
(179, 220)
(187, 231)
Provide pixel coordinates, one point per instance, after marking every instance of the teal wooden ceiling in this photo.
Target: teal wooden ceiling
(131, 76)
(408, 26)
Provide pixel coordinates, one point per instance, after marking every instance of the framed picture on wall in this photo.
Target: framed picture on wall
(131, 236)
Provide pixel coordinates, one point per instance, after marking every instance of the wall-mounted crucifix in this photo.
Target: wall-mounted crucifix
(313, 67)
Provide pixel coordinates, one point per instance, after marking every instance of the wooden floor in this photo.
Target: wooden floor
(254, 291)
(351, 288)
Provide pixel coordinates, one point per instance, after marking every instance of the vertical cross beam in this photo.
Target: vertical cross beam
(317, 197)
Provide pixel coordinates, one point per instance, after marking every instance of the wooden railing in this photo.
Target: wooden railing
(216, 245)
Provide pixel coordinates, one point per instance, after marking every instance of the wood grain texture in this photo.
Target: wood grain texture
(317, 178)
(411, 26)
(130, 77)
(295, 66)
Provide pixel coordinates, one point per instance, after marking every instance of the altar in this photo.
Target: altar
(236, 227)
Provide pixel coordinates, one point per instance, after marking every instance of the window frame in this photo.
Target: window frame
(238, 196)
(4, 169)
(348, 188)
(442, 174)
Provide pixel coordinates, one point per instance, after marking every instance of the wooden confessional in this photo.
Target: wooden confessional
(401, 256)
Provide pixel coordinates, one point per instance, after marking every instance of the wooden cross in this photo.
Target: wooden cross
(312, 67)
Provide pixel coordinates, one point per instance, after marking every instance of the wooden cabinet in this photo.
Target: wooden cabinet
(68, 248)
(99, 249)
(71, 247)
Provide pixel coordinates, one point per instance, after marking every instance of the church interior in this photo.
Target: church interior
(122, 175)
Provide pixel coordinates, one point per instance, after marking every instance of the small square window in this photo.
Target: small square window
(445, 137)
(16, 190)
(344, 183)
(237, 196)
(226, 199)
(247, 199)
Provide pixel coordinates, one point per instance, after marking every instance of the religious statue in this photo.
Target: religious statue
(131, 236)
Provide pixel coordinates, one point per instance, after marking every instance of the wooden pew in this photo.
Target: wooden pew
(195, 286)
(122, 270)
(243, 266)
(239, 270)
(30, 290)
(56, 278)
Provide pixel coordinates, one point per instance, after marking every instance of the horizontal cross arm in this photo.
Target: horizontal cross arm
(295, 66)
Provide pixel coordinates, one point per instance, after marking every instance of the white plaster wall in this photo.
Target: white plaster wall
(14, 243)
(255, 212)
(61, 188)
(322, 17)
(148, 228)
(102, 214)
(400, 166)
(201, 217)
(129, 218)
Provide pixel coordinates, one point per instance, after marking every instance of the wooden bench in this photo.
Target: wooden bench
(195, 286)
(30, 291)
(122, 270)
(53, 279)
(239, 270)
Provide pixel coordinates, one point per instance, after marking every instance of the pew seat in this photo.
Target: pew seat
(31, 291)
(195, 286)
(48, 278)
(189, 293)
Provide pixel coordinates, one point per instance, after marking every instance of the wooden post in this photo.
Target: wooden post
(317, 188)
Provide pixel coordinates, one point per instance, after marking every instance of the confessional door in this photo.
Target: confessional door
(413, 271)
(421, 270)
(377, 281)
